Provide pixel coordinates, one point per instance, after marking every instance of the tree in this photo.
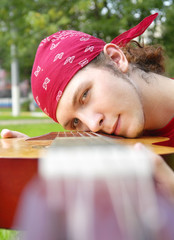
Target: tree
(24, 23)
(36, 19)
(167, 37)
(108, 18)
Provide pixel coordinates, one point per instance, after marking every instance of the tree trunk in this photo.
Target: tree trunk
(15, 82)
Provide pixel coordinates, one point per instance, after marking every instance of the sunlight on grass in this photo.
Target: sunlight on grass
(7, 115)
(33, 129)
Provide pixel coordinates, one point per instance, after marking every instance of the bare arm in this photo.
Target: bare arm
(6, 133)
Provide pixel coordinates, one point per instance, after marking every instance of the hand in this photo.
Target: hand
(5, 133)
(163, 174)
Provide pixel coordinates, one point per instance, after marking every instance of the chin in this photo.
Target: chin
(133, 133)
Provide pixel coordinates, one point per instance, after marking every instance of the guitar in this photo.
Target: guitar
(19, 162)
(92, 188)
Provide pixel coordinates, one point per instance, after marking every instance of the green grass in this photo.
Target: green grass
(22, 117)
(8, 110)
(5, 114)
(33, 130)
(10, 235)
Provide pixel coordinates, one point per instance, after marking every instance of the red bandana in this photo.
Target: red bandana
(60, 56)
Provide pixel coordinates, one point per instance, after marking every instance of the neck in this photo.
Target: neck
(157, 95)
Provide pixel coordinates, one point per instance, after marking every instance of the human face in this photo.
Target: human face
(98, 100)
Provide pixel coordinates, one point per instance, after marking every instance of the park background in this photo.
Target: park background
(24, 23)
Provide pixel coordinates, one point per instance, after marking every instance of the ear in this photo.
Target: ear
(115, 53)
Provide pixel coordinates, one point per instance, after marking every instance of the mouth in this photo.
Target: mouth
(115, 130)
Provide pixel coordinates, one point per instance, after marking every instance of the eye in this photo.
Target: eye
(75, 122)
(84, 96)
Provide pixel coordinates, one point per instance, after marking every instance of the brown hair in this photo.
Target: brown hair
(149, 58)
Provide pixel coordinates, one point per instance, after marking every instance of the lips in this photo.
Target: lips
(116, 126)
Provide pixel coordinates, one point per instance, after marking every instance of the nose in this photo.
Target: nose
(93, 120)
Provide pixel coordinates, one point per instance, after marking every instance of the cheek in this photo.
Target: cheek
(136, 126)
(115, 94)
(83, 128)
(133, 118)
(104, 94)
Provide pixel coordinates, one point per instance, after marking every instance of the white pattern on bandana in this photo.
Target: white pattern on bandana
(89, 48)
(84, 39)
(44, 41)
(69, 60)
(37, 100)
(37, 71)
(83, 62)
(47, 80)
(58, 95)
(54, 45)
(45, 111)
(58, 56)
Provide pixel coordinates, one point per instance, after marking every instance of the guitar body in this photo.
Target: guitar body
(14, 176)
(19, 164)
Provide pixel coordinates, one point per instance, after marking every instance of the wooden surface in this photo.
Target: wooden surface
(19, 148)
(35, 147)
(19, 164)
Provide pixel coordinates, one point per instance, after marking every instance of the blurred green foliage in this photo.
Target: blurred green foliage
(10, 234)
(26, 23)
